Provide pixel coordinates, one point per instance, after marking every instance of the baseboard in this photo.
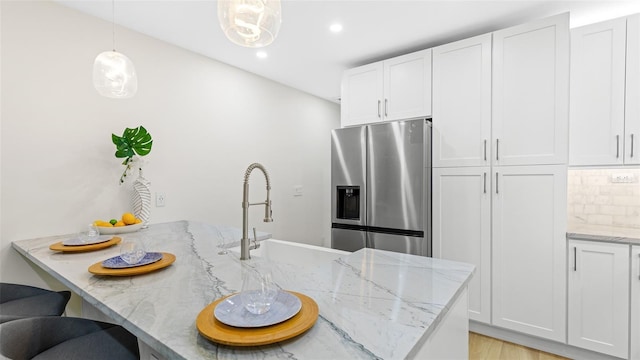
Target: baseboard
(534, 342)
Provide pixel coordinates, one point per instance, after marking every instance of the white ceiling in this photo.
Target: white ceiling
(307, 56)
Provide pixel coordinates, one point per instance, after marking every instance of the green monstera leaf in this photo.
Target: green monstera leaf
(133, 141)
(136, 141)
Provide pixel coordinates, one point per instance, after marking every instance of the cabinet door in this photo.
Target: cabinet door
(632, 117)
(362, 95)
(599, 297)
(462, 103)
(462, 228)
(531, 93)
(635, 302)
(597, 93)
(407, 86)
(529, 247)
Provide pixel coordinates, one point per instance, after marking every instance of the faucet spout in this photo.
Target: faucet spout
(244, 242)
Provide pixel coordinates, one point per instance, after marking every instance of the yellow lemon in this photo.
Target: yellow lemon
(128, 218)
(118, 224)
(138, 221)
(102, 223)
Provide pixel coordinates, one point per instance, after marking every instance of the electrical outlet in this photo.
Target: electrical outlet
(625, 178)
(160, 199)
(297, 190)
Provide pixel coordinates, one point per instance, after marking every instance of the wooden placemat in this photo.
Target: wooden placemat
(214, 330)
(82, 248)
(167, 259)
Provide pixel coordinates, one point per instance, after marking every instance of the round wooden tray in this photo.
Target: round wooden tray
(82, 248)
(214, 330)
(167, 259)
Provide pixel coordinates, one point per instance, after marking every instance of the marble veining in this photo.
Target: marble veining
(373, 304)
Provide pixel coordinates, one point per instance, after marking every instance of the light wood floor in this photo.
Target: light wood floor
(486, 348)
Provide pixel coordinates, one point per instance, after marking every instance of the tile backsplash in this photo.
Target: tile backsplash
(607, 197)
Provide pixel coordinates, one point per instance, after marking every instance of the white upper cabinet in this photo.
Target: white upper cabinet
(362, 94)
(462, 228)
(598, 93)
(394, 89)
(632, 114)
(407, 86)
(531, 93)
(605, 93)
(529, 250)
(599, 297)
(462, 103)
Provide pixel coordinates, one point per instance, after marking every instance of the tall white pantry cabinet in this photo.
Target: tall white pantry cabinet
(500, 120)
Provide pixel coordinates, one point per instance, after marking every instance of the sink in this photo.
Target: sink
(294, 253)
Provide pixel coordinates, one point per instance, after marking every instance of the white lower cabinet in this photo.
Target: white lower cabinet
(528, 250)
(635, 302)
(462, 228)
(598, 305)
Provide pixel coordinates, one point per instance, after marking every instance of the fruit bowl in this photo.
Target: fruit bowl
(119, 229)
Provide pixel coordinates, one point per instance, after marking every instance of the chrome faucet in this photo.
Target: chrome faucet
(244, 242)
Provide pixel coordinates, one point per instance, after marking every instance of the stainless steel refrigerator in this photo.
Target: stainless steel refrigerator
(381, 187)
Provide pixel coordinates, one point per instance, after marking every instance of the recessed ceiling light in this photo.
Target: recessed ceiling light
(335, 28)
(261, 54)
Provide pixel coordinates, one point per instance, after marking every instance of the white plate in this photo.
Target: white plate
(119, 229)
(79, 242)
(231, 311)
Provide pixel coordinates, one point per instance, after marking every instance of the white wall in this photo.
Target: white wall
(209, 121)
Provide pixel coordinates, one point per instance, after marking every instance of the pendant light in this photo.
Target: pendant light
(250, 23)
(113, 73)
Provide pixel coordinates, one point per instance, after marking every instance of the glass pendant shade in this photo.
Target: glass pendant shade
(114, 75)
(250, 23)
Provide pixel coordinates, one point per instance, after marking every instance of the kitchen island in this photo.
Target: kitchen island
(373, 303)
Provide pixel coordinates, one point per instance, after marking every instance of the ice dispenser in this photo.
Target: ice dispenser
(348, 204)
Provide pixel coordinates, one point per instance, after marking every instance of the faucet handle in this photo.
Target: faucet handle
(255, 239)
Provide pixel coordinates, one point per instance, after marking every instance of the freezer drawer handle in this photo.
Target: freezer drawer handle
(497, 149)
(617, 146)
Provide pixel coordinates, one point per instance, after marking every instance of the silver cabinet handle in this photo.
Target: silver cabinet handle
(379, 108)
(631, 145)
(617, 146)
(497, 183)
(638, 266)
(386, 105)
(484, 184)
(485, 149)
(497, 149)
(575, 258)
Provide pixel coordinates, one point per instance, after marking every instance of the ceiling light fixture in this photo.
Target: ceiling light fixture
(335, 28)
(113, 73)
(250, 23)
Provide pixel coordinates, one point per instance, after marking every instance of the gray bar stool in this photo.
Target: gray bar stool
(21, 301)
(52, 337)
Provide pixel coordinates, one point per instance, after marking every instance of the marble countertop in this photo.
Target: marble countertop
(603, 233)
(373, 304)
